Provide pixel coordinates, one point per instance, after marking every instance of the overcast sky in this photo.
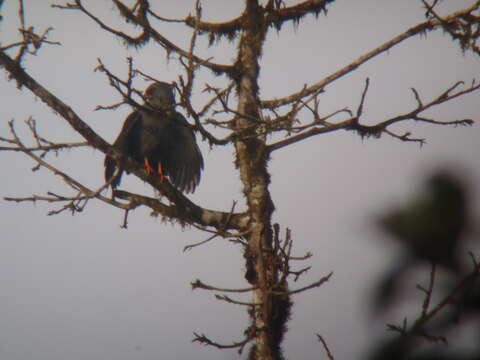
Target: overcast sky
(79, 287)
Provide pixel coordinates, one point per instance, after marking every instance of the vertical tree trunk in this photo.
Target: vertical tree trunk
(251, 159)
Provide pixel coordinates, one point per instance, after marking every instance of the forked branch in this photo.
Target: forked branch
(148, 32)
(428, 312)
(420, 28)
(182, 204)
(203, 339)
(376, 130)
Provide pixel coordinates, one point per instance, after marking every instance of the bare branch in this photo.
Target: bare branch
(428, 291)
(309, 133)
(148, 32)
(219, 96)
(29, 38)
(203, 339)
(413, 31)
(417, 329)
(190, 214)
(274, 16)
(185, 89)
(227, 28)
(183, 206)
(362, 101)
(324, 344)
(57, 146)
(197, 284)
(376, 130)
(125, 219)
(168, 20)
(277, 16)
(27, 42)
(186, 103)
(465, 29)
(405, 137)
(220, 232)
(299, 273)
(440, 99)
(462, 285)
(236, 302)
(308, 287)
(66, 178)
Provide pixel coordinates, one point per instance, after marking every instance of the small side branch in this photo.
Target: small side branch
(203, 339)
(428, 291)
(464, 29)
(183, 205)
(197, 284)
(235, 302)
(75, 203)
(325, 346)
(467, 281)
(428, 312)
(139, 18)
(54, 147)
(277, 15)
(420, 28)
(308, 287)
(376, 130)
(32, 42)
(220, 232)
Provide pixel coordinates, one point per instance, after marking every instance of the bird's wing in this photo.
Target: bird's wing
(124, 144)
(185, 162)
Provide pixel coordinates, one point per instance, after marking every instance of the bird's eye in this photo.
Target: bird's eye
(149, 92)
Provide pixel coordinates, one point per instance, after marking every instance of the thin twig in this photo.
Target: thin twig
(376, 130)
(220, 231)
(325, 346)
(413, 31)
(236, 302)
(308, 287)
(203, 339)
(428, 291)
(197, 284)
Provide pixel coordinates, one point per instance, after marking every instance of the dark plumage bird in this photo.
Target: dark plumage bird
(161, 139)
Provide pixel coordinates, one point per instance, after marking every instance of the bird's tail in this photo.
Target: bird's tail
(111, 175)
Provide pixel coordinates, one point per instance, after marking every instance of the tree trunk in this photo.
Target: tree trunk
(252, 159)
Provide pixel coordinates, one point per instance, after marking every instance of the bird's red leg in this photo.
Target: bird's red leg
(160, 172)
(148, 167)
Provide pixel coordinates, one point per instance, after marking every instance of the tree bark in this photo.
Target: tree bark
(252, 159)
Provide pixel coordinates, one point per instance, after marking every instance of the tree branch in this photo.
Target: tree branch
(147, 33)
(376, 130)
(324, 344)
(197, 284)
(315, 284)
(427, 314)
(203, 339)
(89, 194)
(277, 16)
(183, 206)
(415, 30)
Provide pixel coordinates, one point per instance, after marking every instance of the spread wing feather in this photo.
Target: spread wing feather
(165, 140)
(179, 154)
(125, 144)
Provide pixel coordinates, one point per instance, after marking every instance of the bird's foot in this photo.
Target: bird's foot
(148, 167)
(160, 172)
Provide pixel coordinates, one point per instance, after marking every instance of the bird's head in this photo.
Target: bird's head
(160, 95)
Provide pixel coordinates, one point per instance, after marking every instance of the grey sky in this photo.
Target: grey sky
(82, 288)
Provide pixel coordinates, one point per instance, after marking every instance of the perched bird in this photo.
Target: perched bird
(161, 139)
